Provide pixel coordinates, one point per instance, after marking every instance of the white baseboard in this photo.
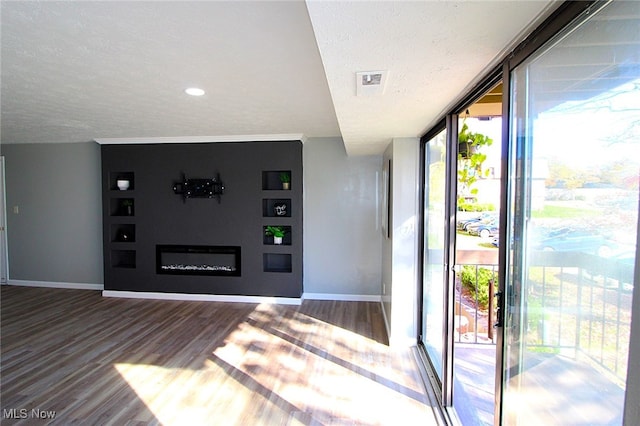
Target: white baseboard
(342, 297)
(202, 297)
(55, 284)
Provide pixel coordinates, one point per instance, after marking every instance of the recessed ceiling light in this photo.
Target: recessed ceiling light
(194, 91)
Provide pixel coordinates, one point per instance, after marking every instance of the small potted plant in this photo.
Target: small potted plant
(277, 232)
(285, 178)
(127, 207)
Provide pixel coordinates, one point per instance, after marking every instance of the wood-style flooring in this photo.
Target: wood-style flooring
(79, 358)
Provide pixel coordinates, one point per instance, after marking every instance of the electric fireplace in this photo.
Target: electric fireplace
(198, 260)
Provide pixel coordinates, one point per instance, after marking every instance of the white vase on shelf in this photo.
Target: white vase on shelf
(122, 184)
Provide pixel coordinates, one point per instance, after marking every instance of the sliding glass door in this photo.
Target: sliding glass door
(433, 320)
(572, 223)
(568, 229)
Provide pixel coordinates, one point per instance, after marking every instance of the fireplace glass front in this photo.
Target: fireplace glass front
(198, 260)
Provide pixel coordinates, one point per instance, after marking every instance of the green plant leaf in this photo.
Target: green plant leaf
(276, 231)
(285, 177)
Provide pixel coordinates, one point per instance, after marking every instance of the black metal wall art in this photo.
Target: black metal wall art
(199, 188)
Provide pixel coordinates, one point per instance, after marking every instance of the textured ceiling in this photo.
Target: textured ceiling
(75, 71)
(432, 50)
(79, 71)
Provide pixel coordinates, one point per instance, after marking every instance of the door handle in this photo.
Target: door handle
(499, 322)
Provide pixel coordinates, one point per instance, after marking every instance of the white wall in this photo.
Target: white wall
(342, 237)
(400, 251)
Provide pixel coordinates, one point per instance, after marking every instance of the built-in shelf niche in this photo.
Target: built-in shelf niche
(114, 177)
(123, 258)
(122, 207)
(276, 207)
(268, 239)
(123, 233)
(277, 262)
(271, 180)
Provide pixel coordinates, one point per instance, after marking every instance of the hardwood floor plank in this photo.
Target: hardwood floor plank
(96, 360)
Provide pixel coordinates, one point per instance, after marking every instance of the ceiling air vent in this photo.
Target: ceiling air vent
(369, 83)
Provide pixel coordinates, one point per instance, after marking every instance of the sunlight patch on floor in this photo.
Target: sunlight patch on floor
(298, 372)
(166, 393)
(279, 364)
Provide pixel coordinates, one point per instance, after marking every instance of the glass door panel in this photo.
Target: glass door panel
(575, 121)
(433, 296)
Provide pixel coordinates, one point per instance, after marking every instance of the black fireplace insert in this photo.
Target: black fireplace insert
(198, 260)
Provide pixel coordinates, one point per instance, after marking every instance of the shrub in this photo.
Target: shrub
(479, 289)
(475, 207)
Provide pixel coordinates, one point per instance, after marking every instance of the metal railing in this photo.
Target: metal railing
(576, 303)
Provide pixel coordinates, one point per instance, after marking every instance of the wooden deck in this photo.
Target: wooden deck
(474, 385)
(84, 359)
(556, 389)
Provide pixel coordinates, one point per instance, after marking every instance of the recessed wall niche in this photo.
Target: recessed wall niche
(122, 206)
(121, 181)
(275, 180)
(123, 233)
(277, 262)
(149, 214)
(123, 259)
(280, 207)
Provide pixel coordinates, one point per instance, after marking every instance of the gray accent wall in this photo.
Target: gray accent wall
(56, 234)
(342, 232)
(250, 173)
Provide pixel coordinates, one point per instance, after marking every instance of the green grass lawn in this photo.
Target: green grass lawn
(551, 211)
